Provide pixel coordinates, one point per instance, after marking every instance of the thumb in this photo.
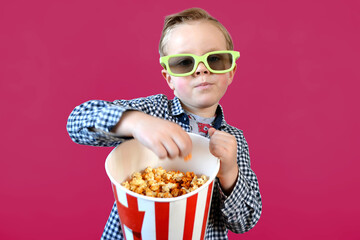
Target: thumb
(211, 131)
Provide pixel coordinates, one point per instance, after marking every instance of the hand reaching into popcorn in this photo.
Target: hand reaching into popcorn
(164, 138)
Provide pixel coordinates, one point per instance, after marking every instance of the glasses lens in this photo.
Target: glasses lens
(182, 64)
(220, 61)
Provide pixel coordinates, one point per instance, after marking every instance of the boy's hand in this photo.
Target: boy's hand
(164, 138)
(224, 146)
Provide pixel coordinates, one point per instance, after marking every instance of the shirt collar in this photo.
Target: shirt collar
(220, 119)
(176, 109)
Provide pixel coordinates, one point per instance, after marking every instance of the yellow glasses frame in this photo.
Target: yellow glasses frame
(164, 61)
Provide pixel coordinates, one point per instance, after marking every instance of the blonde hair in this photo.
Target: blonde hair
(191, 14)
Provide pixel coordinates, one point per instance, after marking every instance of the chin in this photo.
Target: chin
(208, 100)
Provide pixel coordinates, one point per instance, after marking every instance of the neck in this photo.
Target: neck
(203, 112)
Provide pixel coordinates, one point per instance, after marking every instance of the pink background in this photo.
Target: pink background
(295, 96)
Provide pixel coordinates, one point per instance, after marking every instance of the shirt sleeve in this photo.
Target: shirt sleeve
(91, 122)
(241, 210)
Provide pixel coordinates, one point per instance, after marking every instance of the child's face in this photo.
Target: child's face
(203, 89)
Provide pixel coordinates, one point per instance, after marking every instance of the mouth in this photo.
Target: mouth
(203, 85)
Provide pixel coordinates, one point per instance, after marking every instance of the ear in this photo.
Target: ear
(231, 75)
(168, 79)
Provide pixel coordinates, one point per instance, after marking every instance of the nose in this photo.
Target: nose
(201, 69)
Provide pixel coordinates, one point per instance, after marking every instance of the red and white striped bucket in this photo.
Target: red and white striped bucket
(143, 217)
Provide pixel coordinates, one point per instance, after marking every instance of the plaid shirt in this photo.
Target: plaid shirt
(91, 122)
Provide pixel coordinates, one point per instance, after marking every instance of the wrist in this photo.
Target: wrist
(228, 180)
(126, 125)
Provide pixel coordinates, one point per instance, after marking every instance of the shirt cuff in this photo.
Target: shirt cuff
(106, 119)
(238, 194)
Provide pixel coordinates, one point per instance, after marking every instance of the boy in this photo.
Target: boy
(198, 85)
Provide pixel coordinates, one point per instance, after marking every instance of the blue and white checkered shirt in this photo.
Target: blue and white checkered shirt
(91, 122)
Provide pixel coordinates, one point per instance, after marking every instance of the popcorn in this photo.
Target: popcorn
(157, 182)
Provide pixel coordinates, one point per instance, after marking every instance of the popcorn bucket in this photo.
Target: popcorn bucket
(143, 217)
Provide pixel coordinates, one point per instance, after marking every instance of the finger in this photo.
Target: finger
(154, 144)
(211, 131)
(184, 144)
(171, 148)
(217, 150)
(220, 137)
(159, 150)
